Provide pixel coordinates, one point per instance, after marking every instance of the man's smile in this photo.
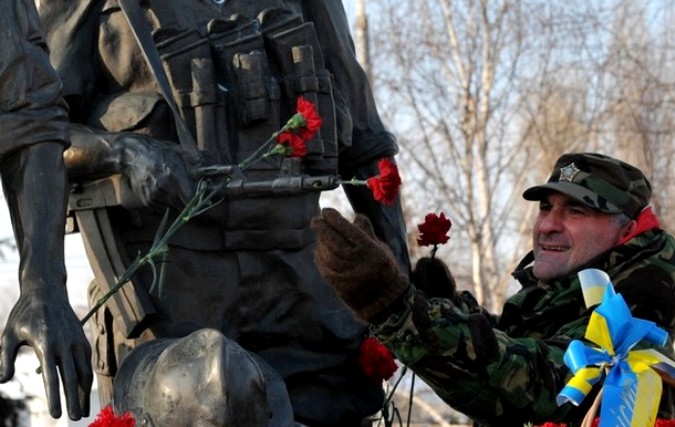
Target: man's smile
(553, 248)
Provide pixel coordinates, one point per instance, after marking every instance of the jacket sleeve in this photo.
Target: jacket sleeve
(31, 107)
(477, 369)
(362, 134)
(71, 32)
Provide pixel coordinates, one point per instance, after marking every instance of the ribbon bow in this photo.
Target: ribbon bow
(632, 386)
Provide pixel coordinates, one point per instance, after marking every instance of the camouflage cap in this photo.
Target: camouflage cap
(601, 182)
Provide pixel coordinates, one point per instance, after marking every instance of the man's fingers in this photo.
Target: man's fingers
(329, 260)
(363, 223)
(349, 233)
(328, 235)
(332, 216)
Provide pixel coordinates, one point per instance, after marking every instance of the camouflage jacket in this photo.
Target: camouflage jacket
(507, 370)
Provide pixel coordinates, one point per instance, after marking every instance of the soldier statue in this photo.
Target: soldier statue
(163, 91)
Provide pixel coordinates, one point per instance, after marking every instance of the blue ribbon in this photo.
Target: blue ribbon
(632, 387)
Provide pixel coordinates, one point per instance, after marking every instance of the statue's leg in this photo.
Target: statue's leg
(103, 363)
(109, 346)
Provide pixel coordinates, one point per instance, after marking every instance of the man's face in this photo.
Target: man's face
(568, 234)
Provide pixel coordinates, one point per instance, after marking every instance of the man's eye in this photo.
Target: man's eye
(577, 211)
(544, 208)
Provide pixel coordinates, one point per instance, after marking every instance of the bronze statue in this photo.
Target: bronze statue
(33, 135)
(229, 74)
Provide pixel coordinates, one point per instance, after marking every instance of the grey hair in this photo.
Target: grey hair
(621, 220)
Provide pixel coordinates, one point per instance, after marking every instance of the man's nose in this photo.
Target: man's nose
(551, 223)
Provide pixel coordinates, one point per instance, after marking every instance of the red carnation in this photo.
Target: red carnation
(299, 129)
(385, 185)
(312, 119)
(107, 418)
(376, 361)
(294, 142)
(434, 230)
(305, 122)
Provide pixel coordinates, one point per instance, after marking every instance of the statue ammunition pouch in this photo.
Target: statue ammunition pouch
(239, 84)
(189, 68)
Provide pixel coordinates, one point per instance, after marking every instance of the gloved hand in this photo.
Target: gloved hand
(362, 269)
(432, 276)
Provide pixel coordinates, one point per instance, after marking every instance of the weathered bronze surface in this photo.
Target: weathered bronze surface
(33, 135)
(245, 268)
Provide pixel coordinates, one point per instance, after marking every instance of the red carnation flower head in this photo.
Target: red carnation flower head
(312, 119)
(306, 122)
(385, 185)
(434, 230)
(107, 418)
(293, 137)
(376, 361)
(290, 144)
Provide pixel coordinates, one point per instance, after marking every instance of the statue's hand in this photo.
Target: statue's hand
(362, 269)
(156, 172)
(49, 325)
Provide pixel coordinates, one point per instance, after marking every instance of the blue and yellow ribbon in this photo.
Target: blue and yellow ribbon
(632, 378)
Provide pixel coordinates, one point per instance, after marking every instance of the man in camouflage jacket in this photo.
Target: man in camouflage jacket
(508, 369)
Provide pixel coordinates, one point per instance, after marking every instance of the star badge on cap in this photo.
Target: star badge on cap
(568, 173)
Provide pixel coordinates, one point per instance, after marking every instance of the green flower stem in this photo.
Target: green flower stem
(256, 156)
(388, 417)
(395, 386)
(200, 203)
(353, 181)
(128, 273)
(291, 124)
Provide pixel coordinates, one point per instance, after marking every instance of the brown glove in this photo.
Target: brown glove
(362, 269)
(432, 276)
